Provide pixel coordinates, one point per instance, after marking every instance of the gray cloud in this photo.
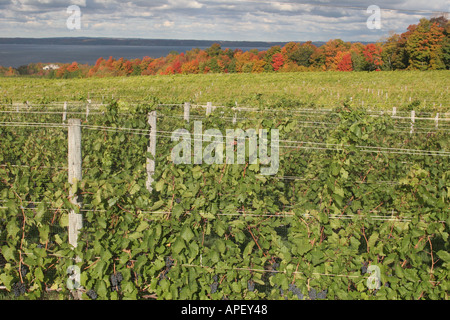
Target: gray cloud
(282, 20)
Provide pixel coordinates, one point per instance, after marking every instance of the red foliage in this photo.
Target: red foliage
(372, 53)
(345, 64)
(73, 67)
(277, 61)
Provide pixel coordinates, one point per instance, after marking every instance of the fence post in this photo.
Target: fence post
(75, 175)
(413, 120)
(437, 120)
(87, 108)
(151, 149)
(208, 108)
(394, 111)
(65, 112)
(187, 107)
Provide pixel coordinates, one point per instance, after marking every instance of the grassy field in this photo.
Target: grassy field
(377, 90)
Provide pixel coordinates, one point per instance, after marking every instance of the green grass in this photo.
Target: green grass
(377, 90)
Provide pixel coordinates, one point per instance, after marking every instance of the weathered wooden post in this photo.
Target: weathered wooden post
(75, 175)
(75, 219)
(208, 108)
(151, 149)
(187, 107)
(64, 118)
(413, 120)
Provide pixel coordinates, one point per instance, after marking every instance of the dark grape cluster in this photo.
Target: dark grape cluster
(214, 285)
(134, 275)
(19, 289)
(275, 266)
(23, 270)
(116, 279)
(251, 286)
(169, 262)
(178, 200)
(293, 288)
(92, 294)
(163, 275)
(322, 294)
(312, 294)
(364, 267)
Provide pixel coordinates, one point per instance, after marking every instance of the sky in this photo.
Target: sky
(235, 20)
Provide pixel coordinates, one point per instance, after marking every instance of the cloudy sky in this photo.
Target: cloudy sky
(284, 20)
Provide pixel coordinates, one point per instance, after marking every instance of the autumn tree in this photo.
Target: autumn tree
(268, 57)
(331, 49)
(372, 54)
(277, 61)
(424, 46)
(344, 61)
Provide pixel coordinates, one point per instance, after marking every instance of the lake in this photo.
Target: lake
(15, 55)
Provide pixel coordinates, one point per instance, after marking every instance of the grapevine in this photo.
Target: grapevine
(356, 197)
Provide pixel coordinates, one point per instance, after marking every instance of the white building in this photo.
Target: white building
(51, 67)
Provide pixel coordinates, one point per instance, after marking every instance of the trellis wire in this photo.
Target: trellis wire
(146, 133)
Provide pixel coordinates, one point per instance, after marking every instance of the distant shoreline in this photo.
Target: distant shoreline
(142, 42)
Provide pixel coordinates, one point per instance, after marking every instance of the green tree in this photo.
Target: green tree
(214, 51)
(302, 55)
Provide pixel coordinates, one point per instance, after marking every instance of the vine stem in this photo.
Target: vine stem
(256, 241)
(245, 169)
(173, 197)
(432, 257)
(367, 242)
(295, 273)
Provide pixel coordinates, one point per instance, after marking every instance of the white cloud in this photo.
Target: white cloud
(282, 20)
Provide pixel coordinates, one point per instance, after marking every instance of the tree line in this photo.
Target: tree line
(424, 46)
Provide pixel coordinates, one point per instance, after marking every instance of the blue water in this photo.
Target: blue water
(15, 55)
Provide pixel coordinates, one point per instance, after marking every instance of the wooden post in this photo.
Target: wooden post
(187, 107)
(65, 112)
(152, 150)
(437, 120)
(394, 111)
(413, 120)
(87, 108)
(208, 108)
(75, 175)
